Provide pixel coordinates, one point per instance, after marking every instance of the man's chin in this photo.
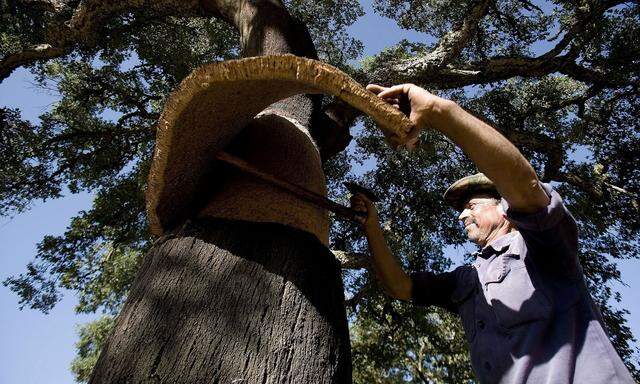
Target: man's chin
(470, 232)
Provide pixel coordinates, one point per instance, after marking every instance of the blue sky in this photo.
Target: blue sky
(38, 348)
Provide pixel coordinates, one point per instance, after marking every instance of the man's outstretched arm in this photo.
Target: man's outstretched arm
(389, 273)
(492, 153)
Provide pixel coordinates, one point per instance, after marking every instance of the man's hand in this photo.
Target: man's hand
(393, 279)
(417, 103)
(494, 155)
(369, 218)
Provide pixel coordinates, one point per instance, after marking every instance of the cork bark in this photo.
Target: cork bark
(217, 102)
(232, 302)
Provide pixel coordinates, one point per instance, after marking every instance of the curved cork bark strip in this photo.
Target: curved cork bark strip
(215, 102)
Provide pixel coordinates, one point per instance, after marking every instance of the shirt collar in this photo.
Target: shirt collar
(497, 246)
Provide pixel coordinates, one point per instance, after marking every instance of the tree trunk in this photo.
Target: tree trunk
(225, 301)
(232, 302)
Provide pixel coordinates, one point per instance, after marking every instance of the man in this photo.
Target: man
(524, 304)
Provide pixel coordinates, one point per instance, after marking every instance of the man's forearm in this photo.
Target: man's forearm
(494, 155)
(388, 271)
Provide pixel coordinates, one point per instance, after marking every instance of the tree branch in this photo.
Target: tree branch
(53, 6)
(447, 49)
(508, 19)
(143, 114)
(487, 71)
(352, 260)
(417, 362)
(27, 56)
(82, 27)
(429, 70)
(454, 41)
(596, 189)
(358, 296)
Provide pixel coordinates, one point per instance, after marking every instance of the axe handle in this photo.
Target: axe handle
(301, 192)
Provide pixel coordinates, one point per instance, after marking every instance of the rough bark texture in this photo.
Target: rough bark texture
(232, 302)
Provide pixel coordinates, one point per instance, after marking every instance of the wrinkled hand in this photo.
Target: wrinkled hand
(415, 102)
(360, 203)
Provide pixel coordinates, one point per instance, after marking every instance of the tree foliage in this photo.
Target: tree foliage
(558, 78)
(92, 337)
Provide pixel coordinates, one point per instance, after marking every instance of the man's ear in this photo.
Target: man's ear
(502, 213)
(501, 210)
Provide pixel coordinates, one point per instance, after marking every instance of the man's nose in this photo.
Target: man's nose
(464, 214)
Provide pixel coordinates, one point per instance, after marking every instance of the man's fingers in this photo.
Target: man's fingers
(375, 88)
(357, 203)
(387, 92)
(394, 92)
(361, 201)
(365, 200)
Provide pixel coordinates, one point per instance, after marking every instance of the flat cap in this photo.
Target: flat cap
(457, 194)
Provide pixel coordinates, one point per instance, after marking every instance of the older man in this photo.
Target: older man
(524, 303)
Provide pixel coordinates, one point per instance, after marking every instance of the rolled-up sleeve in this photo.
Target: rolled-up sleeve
(551, 234)
(437, 289)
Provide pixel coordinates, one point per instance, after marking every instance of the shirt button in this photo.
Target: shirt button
(487, 366)
(481, 324)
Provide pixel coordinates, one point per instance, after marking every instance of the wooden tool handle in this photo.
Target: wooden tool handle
(301, 192)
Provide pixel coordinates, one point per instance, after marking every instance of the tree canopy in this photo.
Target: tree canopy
(560, 79)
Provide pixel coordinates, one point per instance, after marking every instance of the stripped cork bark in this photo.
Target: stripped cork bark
(214, 104)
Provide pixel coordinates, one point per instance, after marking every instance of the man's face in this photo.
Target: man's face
(483, 219)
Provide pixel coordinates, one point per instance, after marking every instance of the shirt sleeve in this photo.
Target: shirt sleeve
(439, 289)
(551, 234)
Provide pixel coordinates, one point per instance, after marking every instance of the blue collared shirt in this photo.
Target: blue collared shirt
(524, 305)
